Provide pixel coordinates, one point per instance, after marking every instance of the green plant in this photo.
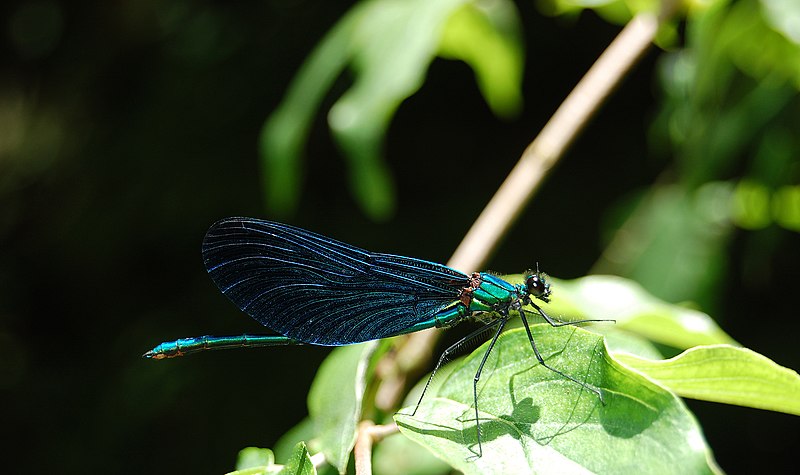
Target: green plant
(534, 420)
(725, 137)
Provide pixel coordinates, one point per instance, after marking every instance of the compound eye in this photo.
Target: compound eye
(538, 286)
(534, 285)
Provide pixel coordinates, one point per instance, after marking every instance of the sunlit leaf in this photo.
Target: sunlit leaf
(299, 463)
(727, 374)
(634, 310)
(783, 16)
(533, 420)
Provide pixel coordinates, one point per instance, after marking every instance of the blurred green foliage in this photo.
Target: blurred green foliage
(335, 399)
(727, 130)
(389, 45)
(728, 95)
(127, 128)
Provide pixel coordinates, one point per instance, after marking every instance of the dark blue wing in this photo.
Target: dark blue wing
(318, 290)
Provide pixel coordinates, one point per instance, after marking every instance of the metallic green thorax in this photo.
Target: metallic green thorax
(493, 293)
(485, 294)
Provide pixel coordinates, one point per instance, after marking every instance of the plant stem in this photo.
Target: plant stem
(537, 160)
(549, 146)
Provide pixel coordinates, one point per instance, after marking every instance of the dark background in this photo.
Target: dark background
(130, 127)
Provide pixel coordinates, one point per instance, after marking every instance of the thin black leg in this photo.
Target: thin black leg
(501, 323)
(446, 353)
(558, 323)
(541, 360)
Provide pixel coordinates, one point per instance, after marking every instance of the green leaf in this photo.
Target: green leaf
(252, 457)
(486, 35)
(620, 340)
(389, 44)
(723, 373)
(635, 310)
(536, 421)
(398, 455)
(614, 11)
(302, 432)
(786, 206)
(334, 401)
(762, 40)
(299, 463)
(783, 16)
(283, 134)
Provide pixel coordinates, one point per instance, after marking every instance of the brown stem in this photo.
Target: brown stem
(368, 433)
(549, 146)
(537, 160)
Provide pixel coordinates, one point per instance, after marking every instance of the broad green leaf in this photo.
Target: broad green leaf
(334, 401)
(620, 340)
(533, 420)
(723, 373)
(299, 463)
(389, 45)
(634, 310)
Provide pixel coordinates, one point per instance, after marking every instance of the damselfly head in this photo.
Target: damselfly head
(537, 285)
